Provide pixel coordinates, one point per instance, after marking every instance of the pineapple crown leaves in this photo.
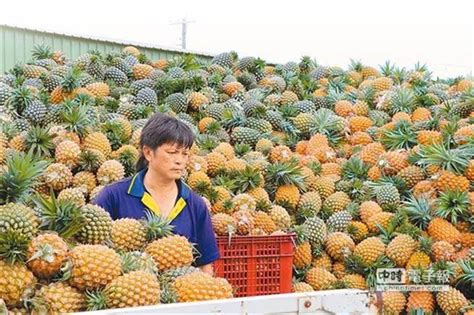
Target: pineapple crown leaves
(419, 211)
(453, 160)
(96, 300)
(355, 168)
(402, 100)
(403, 136)
(284, 173)
(356, 264)
(19, 99)
(247, 179)
(13, 246)
(156, 226)
(133, 261)
(76, 118)
(61, 216)
(41, 51)
(71, 80)
(22, 172)
(452, 205)
(424, 244)
(467, 277)
(39, 141)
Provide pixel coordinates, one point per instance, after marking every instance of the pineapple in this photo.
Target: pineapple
(15, 282)
(46, 254)
(336, 202)
(420, 300)
(315, 230)
(73, 195)
(339, 221)
(97, 141)
(393, 302)
(171, 252)
(400, 249)
(451, 301)
(93, 266)
(280, 216)
(367, 209)
(62, 298)
(58, 176)
(199, 286)
(380, 219)
(98, 225)
(110, 171)
(441, 230)
(299, 287)
(245, 221)
(320, 279)
(128, 234)
(136, 288)
(85, 180)
(339, 245)
(216, 162)
(224, 224)
(354, 281)
(67, 153)
(98, 89)
(309, 205)
(264, 221)
(324, 186)
(370, 249)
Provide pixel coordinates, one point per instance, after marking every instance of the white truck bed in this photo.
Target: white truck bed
(347, 301)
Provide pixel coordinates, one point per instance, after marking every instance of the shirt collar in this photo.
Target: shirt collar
(137, 186)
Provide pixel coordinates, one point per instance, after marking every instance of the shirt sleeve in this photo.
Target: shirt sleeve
(105, 200)
(207, 244)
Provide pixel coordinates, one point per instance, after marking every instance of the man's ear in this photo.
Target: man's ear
(147, 153)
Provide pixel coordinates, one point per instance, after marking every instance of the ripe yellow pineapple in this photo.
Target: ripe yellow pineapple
(441, 230)
(370, 249)
(224, 224)
(141, 71)
(233, 87)
(98, 89)
(393, 302)
(97, 141)
(302, 257)
(420, 114)
(61, 298)
(418, 260)
(244, 202)
(451, 301)
(15, 281)
(198, 179)
(428, 137)
(216, 162)
(288, 98)
(58, 176)
(357, 230)
(400, 249)
(196, 100)
(46, 254)
(263, 221)
(199, 286)
(382, 218)
(320, 278)
(299, 287)
(322, 261)
(67, 153)
(339, 245)
(324, 186)
(74, 195)
(371, 153)
(280, 153)
(280, 216)
(359, 123)
(93, 266)
(336, 202)
(170, 252)
(412, 175)
(423, 300)
(449, 181)
(110, 171)
(244, 220)
(442, 250)
(128, 234)
(136, 288)
(85, 180)
(355, 281)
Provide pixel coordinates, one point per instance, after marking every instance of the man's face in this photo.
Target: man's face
(168, 160)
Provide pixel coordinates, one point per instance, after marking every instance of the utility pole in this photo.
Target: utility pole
(184, 29)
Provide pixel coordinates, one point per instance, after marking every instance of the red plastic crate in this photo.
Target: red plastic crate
(256, 265)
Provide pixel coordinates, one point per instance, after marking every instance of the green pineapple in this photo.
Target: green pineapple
(146, 96)
(453, 205)
(245, 135)
(315, 230)
(115, 75)
(98, 225)
(339, 221)
(388, 196)
(5, 92)
(19, 100)
(177, 102)
(35, 112)
(225, 59)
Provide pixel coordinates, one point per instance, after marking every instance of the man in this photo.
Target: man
(165, 144)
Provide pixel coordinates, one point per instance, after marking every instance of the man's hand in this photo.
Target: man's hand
(207, 269)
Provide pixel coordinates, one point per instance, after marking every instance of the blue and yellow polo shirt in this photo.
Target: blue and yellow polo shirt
(190, 217)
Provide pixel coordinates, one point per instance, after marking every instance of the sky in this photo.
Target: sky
(438, 33)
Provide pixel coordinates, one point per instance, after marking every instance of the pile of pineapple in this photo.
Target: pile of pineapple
(370, 168)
